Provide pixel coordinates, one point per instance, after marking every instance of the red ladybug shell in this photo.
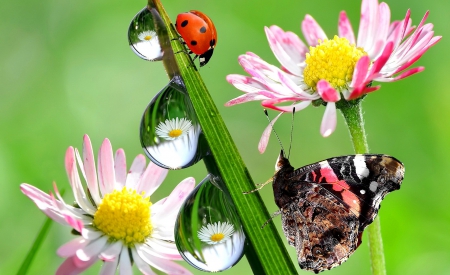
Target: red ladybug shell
(199, 33)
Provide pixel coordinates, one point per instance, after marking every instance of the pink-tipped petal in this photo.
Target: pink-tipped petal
(381, 31)
(91, 234)
(409, 73)
(291, 43)
(173, 202)
(362, 91)
(45, 203)
(70, 248)
(109, 267)
(125, 262)
(120, 168)
(345, 28)
(135, 172)
(141, 264)
(262, 145)
(360, 73)
(329, 120)
(245, 98)
(151, 179)
(89, 169)
(76, 224)
(327, 92)
(112, 251)
(73, 266)
(285, 48)
(41, 199)
(74, 179)
(395, 33)
(289, 84)
(381, 61)
(403, 75)
(312, 31)
(105, 165)
(407, 22)
(92, 249)
(299, 106)
(367, 23)
(162, 248)
(164, 265)
(245, 84)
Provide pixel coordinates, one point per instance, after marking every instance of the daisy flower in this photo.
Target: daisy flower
(115, 219)
(174, 128)
(216, 233)
(332, 69)
(148, 36)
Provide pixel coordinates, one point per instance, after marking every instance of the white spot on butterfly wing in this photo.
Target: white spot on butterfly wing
(324, 164)
(373, 186)
(361, 168)
(362, 191)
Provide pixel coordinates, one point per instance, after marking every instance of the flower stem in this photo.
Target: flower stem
(24, 267)
(353, 117)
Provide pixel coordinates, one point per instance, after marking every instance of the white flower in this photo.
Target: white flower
(174, 128)
(148, 36)
(115, 218)
(216, 233)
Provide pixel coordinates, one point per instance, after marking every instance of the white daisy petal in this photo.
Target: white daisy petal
(216, 233)
(121, 218)
(125, 262)
(173, 129)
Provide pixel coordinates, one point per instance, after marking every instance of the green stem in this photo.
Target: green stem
(353, 117)
(35, 247)
(265, 250)
(355, 122)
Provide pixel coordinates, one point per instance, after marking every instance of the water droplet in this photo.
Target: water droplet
(144, 35)
(208, 231)
(170, 133)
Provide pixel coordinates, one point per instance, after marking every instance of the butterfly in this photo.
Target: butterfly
(325, 206)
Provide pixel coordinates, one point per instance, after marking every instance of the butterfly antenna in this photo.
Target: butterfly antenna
(292, 130)
(271, 218)
(260, 186)
(273, 129)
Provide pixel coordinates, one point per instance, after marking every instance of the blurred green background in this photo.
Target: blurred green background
(67, 70)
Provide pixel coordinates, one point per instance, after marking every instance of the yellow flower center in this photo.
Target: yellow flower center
(332, 60)
(124, 215)
(217, 237)
(175, 133)
(148, 37)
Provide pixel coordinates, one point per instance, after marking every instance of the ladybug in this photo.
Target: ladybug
(199, 34)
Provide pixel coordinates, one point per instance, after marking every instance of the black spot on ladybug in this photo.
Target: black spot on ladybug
(184, 23)
(202, 29)
(212, 42)
(193, 43)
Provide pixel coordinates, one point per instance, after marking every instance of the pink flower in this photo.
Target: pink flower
(329, 68)
(116, 221)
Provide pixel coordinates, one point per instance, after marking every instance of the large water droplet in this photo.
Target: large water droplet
(144, 35)
(208, 231)
(170, 133)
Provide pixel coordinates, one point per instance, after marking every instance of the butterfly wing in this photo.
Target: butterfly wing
(326, 205)
(323, 231)
(360, 182)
